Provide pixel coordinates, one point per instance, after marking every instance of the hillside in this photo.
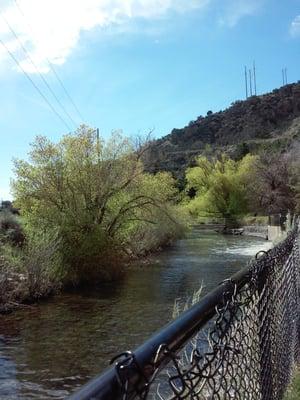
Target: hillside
(270, 121)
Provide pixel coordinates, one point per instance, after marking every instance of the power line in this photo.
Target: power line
(40, 75)
(35, 86)
(65, 90)
(52, 67)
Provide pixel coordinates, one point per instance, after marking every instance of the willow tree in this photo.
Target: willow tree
(220, 187)
(95, 195)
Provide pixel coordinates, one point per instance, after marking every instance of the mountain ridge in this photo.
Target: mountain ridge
(267, 121)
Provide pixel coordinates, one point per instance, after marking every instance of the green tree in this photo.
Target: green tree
(95, 195)
(220, 187)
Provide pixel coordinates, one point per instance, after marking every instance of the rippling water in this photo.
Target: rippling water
(49, 350)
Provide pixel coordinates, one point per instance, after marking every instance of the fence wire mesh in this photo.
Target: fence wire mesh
(247, 350)
(250, 348)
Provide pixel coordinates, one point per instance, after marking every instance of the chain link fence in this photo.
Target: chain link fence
(241, 341)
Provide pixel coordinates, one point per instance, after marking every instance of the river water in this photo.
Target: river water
(50, 349)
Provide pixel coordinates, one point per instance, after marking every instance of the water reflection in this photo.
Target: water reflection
(52, 348)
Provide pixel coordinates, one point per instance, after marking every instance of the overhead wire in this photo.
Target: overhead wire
(51, 65)
(38, 71)
(35, 86)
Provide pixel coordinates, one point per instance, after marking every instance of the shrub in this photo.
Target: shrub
(30, 272)
(10, 229)
(41, 263)
(96, 196)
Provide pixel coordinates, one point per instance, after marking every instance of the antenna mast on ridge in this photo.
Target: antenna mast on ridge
(246, 82)
(254, 77)
(250, 81)
(284, 76)
(285, 73)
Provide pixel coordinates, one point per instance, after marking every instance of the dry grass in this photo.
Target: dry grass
(13, 287)
(28, 273)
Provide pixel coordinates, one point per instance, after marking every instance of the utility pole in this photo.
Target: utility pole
(246, 82)
(250, 81)
(254, 77)
(98, 144)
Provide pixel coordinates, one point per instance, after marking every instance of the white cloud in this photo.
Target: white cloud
(234, 10)
(52, 28)
(295, 27)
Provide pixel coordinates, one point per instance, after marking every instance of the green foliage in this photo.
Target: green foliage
(145, 237)
(208, 150)
(242, 149)
(95, 195)
(29, 272)
(220, 186)
(41, 260)
(37, 262)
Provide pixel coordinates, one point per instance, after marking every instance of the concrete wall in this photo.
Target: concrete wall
(256, 230)
(274, 233)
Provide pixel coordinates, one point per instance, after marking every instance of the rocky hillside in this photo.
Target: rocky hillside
(270, 121)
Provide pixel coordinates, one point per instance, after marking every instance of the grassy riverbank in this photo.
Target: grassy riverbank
(31, 263)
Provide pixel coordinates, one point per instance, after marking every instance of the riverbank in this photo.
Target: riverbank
(258, 230)
(15, 291)
(21, 290)
(14, 286)
(11, 290)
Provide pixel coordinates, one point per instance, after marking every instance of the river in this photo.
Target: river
(50, 349)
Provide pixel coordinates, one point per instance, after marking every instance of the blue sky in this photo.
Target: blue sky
(135, 65)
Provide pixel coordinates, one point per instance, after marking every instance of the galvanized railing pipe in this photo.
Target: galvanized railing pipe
(147, 359)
